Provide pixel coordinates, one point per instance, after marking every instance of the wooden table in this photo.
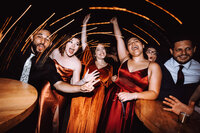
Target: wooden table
(157, 120)
(17, 101)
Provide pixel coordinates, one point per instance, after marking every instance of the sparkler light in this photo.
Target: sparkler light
(35, 31)
(99, 23)
(4, 26)
(15, 23)
(125, 10)
(61, 28)
(66, 16)
(135, 35)
(147, 34)
(165, 11)
(107, 33)
(40, 27)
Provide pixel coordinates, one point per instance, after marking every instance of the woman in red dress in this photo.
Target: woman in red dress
(137, 79)
(86, 109)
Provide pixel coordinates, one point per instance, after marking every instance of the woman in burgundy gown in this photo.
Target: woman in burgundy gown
(137, 79)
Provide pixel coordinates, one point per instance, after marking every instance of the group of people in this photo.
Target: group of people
(79, 94)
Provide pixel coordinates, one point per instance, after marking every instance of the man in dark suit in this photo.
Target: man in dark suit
(181, 73)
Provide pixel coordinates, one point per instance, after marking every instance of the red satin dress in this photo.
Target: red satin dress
(117, 117)
(52, 104)
(86, 109)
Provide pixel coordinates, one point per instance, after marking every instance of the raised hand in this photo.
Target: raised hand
(89, 86)
(84, 34)
(91, 76)
(113, 20)
(86, 19)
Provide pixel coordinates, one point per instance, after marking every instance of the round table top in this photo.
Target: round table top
(157, 120)
(17, 101)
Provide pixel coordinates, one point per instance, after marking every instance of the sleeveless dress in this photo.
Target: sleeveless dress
(117, 117)
(50, 99)
(85, 109)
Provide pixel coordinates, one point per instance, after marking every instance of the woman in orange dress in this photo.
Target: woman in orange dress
(52, 103)
(86, 109)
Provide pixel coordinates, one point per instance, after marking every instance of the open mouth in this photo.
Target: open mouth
(40, 47)
(135, 48)
(71, 51)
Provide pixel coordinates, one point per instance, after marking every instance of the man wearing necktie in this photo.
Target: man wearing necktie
(181, 76)
(32, 67)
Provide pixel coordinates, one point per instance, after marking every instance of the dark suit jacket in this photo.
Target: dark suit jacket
(38, 73)
(168, 87)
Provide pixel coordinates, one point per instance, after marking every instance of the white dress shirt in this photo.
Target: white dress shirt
(191, 70)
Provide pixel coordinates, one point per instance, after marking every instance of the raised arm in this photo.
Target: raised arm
(84, 33)
(121, 47)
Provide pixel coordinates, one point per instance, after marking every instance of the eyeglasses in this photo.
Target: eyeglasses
(151, 52)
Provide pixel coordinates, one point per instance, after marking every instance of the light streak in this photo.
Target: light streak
(107, 33)
(8, 41)
(147, 34)
(52, 48)
(15, 45)
(5, 24)
(46, 54)
(135, 35)
(104, 44)
(15, 22)
(165, 11)
(61, 28)
(66, 16)
(91, 29)
(97, 23)
(125, 10)
(39, 27)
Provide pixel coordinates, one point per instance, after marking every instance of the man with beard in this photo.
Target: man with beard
(181, 74)
(35, 67)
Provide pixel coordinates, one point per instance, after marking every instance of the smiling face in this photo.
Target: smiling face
(135, 46)
(183, 51)
(72, 47)
(41, 41)
(100, 52)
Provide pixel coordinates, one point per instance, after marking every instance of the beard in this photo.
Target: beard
(182, 61)
(41, 57)
(34, 48)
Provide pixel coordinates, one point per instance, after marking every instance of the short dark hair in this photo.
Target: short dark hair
(180, 36)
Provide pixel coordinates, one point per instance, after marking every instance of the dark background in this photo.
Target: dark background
(186, 11)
